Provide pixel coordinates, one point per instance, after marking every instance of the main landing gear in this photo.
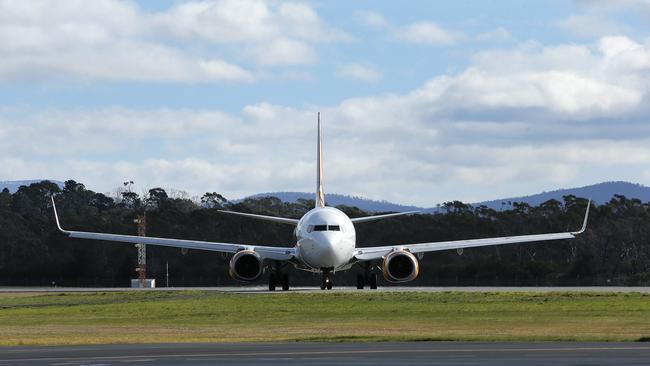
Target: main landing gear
(277, 277)
(368, 277)
(326, 283)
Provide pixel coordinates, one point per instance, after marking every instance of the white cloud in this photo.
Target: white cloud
(271, 33)
(373, 19)
(572, 81)
(633, 4)
(220, 21)
(190, 42)
(499, 34)
(360, 72)
(425, 32)
(109, 41)
(252, 21)
(301, 21)
(551, 116)
(592, 25)
(422, 32)
(283, 51)
(562, 93)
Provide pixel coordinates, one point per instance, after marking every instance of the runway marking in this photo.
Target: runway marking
(138, 359)
(224, 354)
(77, 363)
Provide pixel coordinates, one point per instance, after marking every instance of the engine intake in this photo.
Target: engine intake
(245, 265)
(400, 266)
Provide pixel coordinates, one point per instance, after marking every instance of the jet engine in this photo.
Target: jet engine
(400, 266)
(245, 265)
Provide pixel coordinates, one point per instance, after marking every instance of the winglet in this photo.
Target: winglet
(584, 223)
(56, 216)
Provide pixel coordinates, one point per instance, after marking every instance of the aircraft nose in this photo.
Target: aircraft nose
(328, 239)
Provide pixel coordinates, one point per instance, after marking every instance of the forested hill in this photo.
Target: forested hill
(13, 185)
(614, 250)
(600, 193)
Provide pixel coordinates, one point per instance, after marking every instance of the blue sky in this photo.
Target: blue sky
(421, 104)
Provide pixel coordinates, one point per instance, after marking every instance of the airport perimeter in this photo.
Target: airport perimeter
(99, 316)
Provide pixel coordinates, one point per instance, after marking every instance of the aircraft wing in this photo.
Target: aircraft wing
(370, 253)
(275, 253)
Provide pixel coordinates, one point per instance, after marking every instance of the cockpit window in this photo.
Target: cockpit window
(323, 228)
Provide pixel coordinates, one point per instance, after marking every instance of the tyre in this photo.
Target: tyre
(360, 281)
(285, 282)
(373, 281)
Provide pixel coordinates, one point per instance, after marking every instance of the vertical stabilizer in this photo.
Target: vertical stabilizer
(320, 194)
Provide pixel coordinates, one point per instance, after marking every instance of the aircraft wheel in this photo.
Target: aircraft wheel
(373, 281)
(272, 282)
(360, 281)
(285, 282)
(326, 282)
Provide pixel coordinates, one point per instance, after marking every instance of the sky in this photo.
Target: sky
(422, 102)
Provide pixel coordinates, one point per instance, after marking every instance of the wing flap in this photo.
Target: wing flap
(378, 252)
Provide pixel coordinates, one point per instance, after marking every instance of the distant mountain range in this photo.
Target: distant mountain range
(339, 199)
(599, 193)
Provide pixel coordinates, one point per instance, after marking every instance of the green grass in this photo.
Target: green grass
(197, 316)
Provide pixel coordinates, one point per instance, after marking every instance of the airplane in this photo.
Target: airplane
(325, 243)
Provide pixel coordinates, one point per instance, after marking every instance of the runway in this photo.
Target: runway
(264, 289)
(376, 354)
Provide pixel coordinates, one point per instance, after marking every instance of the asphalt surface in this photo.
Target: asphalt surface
(376, 354)
(264, 289)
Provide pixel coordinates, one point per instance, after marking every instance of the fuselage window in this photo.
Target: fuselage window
(334, 228)
(320, 227)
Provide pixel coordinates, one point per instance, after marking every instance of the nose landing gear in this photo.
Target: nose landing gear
(326, 283)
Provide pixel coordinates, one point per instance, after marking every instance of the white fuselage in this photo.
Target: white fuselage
(326, 239)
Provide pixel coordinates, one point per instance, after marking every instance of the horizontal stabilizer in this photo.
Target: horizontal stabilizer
(379, 217)
(282, 220)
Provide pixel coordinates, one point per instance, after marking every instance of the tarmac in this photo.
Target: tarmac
(264, 289)
(376, 354)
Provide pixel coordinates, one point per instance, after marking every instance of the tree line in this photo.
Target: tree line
(615, 249)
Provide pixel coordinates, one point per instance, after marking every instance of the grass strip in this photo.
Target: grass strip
(203, 316)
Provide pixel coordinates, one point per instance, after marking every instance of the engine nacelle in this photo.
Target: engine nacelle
(400, 266)
(245, 265)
